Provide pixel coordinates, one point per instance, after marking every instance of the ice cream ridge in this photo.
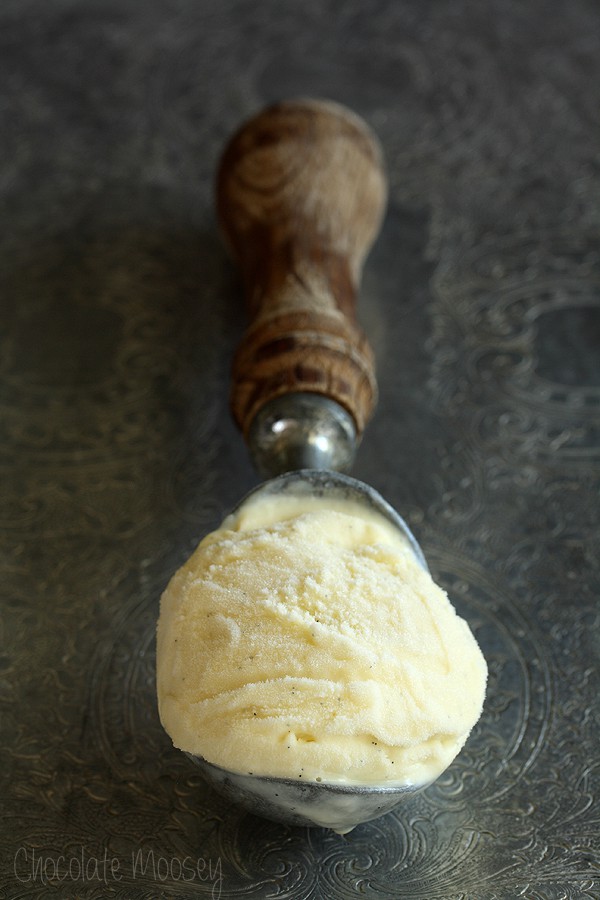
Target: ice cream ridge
(305, 640)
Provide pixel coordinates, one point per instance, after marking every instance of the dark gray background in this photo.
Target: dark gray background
(121, 312)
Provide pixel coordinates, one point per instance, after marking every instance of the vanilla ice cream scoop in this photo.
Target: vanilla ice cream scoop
(308, 661)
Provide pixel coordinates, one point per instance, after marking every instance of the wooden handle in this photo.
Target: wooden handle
(300, 194)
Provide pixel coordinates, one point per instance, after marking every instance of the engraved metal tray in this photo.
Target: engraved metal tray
(120, 313)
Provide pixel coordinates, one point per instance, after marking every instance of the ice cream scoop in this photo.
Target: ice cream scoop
(308, 662)
(301, 193)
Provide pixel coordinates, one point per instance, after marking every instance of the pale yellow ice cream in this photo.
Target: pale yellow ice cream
(307, 642)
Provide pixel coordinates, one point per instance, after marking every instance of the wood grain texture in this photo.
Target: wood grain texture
(300, 194)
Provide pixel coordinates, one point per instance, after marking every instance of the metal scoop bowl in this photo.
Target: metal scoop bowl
(340, 807)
